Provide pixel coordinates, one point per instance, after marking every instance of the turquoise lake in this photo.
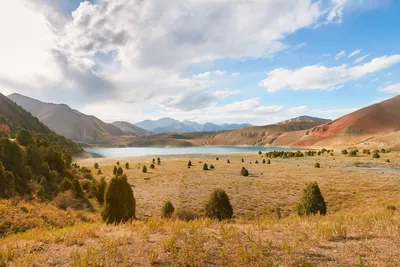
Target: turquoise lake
(163, 151)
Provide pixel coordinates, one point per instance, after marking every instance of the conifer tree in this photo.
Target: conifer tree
(219, 206)
(312, 201)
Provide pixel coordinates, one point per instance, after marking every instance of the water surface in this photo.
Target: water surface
(162, 151)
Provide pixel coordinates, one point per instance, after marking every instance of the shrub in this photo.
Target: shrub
(376, 155)
(218, 206)
(120, 171)
(259, 153)
(242, 159)
(152, 166)
(317, 165)
(86, 184)
(119, 202)
(244, 172)
(186, 215)
(344, 152)
(264, 161)
(154, 161)
(115, 170)
(67, 200)
(388, 160)
(127, 165)
(7, 185)
(228, 161)
(144, 169)
(205, 167)
(312, 201)
(96, 165)
(98, 189)
(158, 161)
(269, 162)
(353, 153)
(118, 163)
(99, 172)
(212, 167)
(189, 164)
(24, 138)
(217, 158)
(167, 210)
(391, 208)
(256, 162)
(65, 185)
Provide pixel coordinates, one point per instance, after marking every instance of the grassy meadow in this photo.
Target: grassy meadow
(361, 228)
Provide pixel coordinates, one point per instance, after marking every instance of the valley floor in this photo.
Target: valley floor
(362, 227)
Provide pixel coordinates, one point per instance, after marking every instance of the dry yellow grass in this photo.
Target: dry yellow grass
(359, 230)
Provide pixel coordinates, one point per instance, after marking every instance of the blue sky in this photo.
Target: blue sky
(207, 60)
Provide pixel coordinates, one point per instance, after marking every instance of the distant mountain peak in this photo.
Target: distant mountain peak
(167, 124)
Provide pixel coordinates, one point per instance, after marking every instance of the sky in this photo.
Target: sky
(217, 61)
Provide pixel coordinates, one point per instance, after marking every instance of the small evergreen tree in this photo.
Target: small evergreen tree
(217, 158)
(115, 170)
(269, 162)
(98, 172)
(219, 206)
(312, 201)
(65, 185)
(344, 152)
(119, 202)
(152, 166)
(96, 165)
(24, 138)
(189, 164)
(98, 189)
(244, 172)
(212, 167)
(144, 169)
(154, 161)
(228, 161)
(264, 161)
(118, 163)
(127, 165)
(376, 155)
(120, 171)
(158, 161)
(77, 188)
(205, 167)
(167, 210)
(256, 162)
(259, 153)
(317, 165)
(242, 159)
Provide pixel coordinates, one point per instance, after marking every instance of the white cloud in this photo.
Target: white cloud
(394, 89)
(221, 94)
(318, 77)
(340, 54)
(25, 48)
(355, 52)
(148, 44)
(299, 109)
(235, 74)
(360, 59)
(326, 55)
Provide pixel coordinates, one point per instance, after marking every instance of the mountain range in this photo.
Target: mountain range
(166, 125)
(376, 126)
(73, 124)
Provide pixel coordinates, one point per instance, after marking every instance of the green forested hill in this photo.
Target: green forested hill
(13, 118)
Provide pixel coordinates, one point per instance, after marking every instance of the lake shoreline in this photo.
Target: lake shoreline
(132, 152)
